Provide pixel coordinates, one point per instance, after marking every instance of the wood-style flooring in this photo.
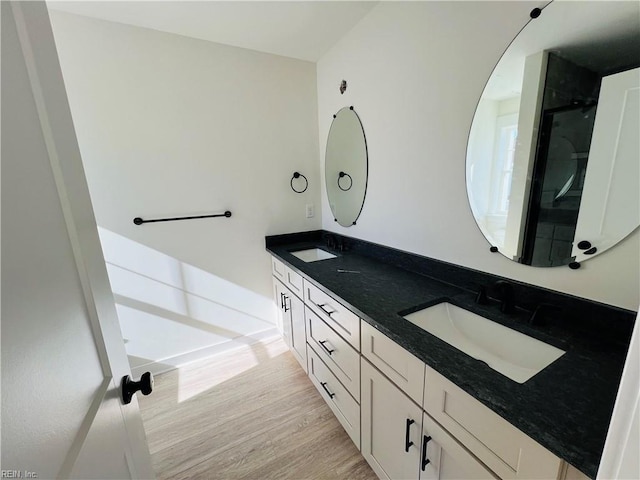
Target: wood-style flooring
(247, 414)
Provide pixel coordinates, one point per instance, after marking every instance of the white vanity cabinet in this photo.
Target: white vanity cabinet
(443, 458)
(339, 356)
(324, 336)
(466, 440)
(400, 441)
(502, 447)
(391, 427)
(333, 341)
(401, 367)
(344, 406)
(409, 421)
(291, 321)
(337, 316)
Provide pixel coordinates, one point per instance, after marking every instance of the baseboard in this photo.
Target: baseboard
(171, 363)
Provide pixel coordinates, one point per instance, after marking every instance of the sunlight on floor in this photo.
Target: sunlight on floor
(169, 310)
(192, 382)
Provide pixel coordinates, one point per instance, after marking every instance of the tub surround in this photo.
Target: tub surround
(566, 407)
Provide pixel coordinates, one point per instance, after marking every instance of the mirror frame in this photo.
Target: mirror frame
(575, 256)
(349, 222)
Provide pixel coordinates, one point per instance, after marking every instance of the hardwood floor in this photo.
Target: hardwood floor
(247, 414)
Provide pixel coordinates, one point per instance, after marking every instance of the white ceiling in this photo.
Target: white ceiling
(300, 29)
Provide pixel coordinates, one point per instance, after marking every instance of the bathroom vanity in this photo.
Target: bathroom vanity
(417, 406)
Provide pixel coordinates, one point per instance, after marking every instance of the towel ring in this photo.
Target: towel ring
(343, 174)
(306, 182)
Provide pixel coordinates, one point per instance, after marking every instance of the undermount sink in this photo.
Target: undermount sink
(511, 353)
(313, 255)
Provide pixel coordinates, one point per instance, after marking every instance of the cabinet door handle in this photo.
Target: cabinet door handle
(425, 460)
(324, 385)
(321, 307)
(322, 344)
(285, 304)
(407, 441)
(281, 300)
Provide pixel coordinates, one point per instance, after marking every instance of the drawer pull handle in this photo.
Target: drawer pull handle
(321, 307)
(322, 344)
(425, 460)
(324, 385)
(407, 442)
(285, 304)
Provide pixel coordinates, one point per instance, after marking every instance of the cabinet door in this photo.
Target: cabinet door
(391, 427)
(443, 458)
(295, 311)
(283, 319)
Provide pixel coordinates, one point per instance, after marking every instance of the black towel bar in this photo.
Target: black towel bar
(140, 221)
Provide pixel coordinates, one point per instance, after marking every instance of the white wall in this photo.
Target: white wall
(620, 455)
(172, 126)
(415, 72)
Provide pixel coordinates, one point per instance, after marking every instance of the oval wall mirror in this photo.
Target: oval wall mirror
(553, 158)
(346, 167)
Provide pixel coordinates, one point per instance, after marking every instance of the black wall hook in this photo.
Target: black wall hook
(343, 174)
(306, 182)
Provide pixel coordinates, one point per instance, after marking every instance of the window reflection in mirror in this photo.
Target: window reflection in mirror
(530, 142)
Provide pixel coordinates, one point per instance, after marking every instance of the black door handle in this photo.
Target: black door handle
(425, 460)
(322, 344)
(321, 307)
(129, 387)
(407, 441)
(324, 385)
(285, 304)
(281, 300)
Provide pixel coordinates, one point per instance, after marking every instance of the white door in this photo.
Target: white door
(610, 204)
(63, 355)
(391, 427)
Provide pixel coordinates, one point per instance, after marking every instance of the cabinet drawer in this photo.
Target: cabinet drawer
(345, 408)
(401, 367)
(278, 269)
(293, 280)
(337, 316)
(336, 353)
(501, 446)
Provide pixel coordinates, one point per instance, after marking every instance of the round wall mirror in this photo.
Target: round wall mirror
(346, 167)
(553, 158)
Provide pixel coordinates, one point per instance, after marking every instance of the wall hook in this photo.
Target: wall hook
(306, 182)
(343, 174)
(343, 86)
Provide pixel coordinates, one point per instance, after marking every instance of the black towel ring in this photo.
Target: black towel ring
(343, 174)
(306, 182)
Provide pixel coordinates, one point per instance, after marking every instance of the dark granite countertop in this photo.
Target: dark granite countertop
(566, 407)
